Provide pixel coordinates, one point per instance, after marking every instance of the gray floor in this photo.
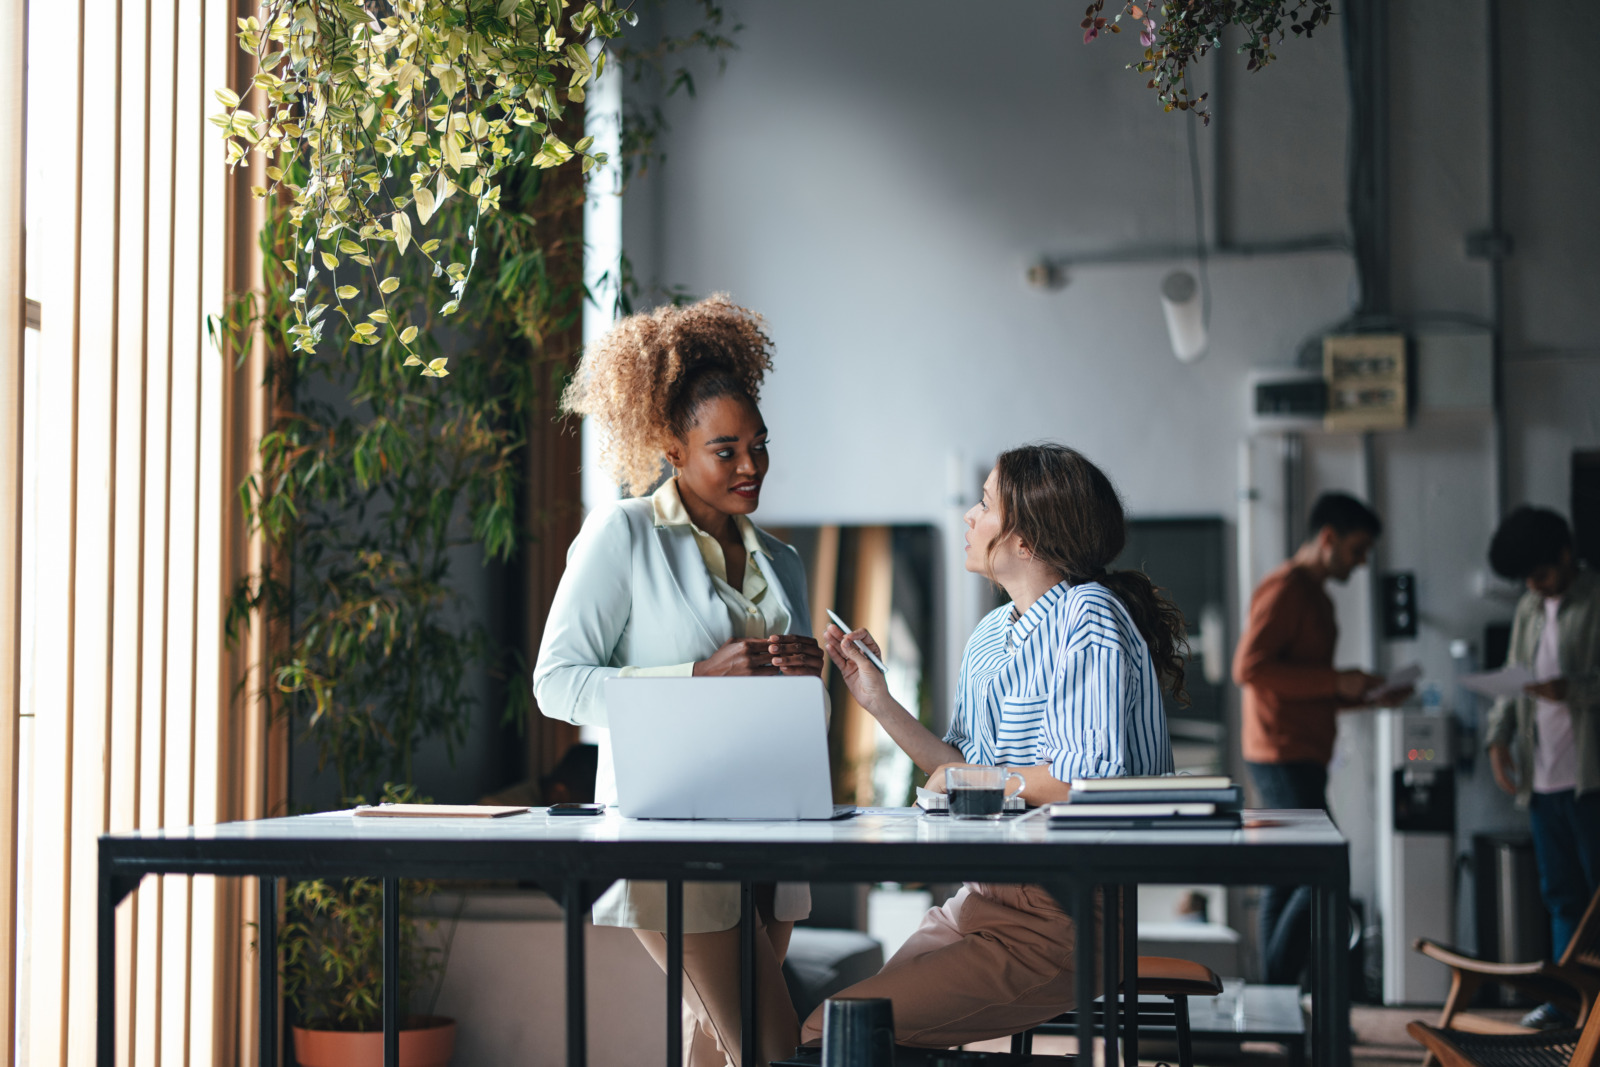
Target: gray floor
(1380, 1034)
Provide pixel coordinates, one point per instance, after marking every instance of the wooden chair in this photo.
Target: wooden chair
(1573, 980)
(1175, 979)
(1535, 1048)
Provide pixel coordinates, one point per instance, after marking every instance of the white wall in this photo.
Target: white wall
(876, 178)
(878, 194)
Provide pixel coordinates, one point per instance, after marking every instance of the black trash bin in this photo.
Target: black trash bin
(1511, 921)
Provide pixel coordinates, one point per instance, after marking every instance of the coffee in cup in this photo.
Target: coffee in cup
(979, 792)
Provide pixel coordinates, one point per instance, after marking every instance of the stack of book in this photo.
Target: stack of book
(1150, 803)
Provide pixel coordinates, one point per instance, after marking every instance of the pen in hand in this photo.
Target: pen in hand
(841, 624)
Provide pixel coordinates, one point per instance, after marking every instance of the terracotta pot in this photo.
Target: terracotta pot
(428, 1045)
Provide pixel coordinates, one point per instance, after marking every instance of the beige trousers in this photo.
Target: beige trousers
(993, 961)
(711, 1027)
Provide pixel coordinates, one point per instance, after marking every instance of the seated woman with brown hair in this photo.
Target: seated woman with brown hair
(1063, 682)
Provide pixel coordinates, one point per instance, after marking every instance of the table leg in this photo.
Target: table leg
(105, 1037)
(1330, 995)
(1110, 961)
(675, 973)
(747, 975)
(1130, 974)
(577, 1008)
(1082, 895)
(267, 970)
(391, 972)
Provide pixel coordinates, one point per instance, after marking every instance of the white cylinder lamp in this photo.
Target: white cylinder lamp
(1186, 327)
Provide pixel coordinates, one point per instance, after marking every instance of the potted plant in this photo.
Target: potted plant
(332, 971)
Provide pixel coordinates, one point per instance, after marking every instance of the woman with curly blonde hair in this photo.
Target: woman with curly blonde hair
(682, 583)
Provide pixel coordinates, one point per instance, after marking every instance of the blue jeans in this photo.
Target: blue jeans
(1286, 910)
(1566, 844)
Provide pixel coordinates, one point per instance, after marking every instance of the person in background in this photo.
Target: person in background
(1292, 694)
(1555, 772)
(681, 583)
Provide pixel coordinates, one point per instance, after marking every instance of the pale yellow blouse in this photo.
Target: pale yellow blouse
(752, 612)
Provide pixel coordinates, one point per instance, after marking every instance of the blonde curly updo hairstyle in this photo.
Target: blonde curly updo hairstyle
(644, 382)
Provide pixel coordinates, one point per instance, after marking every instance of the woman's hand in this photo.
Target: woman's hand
(795, 654)
(866, 682)
(936, 782)
(743, 657)
(1039, 786)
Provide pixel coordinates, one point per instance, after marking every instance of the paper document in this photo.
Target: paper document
(1508, 681)
(439, 811)
(1395, 684)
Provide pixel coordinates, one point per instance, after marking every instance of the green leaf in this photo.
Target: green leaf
(450, 307)
(452, 152)
(430, 246)
(506, 8)
(402, 231)
(350, 248)
(425, 205)
(389, 284)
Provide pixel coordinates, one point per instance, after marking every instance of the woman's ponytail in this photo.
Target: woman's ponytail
(1160, 623)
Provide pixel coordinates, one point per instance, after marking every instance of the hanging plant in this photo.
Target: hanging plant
(393, 108)
(1181, 32)
(368, 488)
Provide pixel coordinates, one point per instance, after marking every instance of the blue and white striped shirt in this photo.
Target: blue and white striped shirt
(1070, 684)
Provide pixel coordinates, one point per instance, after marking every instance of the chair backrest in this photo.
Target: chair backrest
(1539, 1048)
(1584, 948)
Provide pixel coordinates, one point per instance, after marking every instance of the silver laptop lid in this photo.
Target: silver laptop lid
(720, 748)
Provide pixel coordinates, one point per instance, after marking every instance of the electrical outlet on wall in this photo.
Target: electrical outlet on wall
(1399, 604)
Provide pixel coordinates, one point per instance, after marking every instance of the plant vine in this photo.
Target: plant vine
(1181, 32)
(378, 112)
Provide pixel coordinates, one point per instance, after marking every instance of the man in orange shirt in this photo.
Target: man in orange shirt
(1292, 693)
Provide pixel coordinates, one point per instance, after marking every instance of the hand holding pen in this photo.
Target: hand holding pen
(860, 665)
(844, 629)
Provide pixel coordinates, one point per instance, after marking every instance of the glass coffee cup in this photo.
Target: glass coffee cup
(979, 792)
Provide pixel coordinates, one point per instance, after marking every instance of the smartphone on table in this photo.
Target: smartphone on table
(577, 809)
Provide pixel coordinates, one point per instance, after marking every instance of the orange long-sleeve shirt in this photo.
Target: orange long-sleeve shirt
(1284, 665)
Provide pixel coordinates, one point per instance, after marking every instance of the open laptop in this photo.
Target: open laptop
(721, 748)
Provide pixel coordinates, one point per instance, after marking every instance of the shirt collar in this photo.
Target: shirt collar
(1023, 626)
(667, 507)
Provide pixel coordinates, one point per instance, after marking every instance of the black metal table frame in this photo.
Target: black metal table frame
(576, 872)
